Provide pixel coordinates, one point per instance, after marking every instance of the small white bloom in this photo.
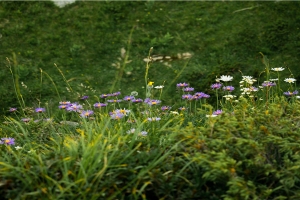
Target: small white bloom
(211, 115)
(226, 78)
(229, 96)
(131, 131)
(290, 80)
(18, 147)
(278, 69)
(298, 97)
(31, 151)
(159, 87)
(144, 133)
(247, 77)
(174, 112)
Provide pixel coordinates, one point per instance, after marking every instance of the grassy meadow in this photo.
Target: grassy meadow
(145, 100)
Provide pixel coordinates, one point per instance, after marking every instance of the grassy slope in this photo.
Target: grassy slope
(85, 38)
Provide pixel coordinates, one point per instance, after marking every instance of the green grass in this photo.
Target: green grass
(129, 150)
(84, 40)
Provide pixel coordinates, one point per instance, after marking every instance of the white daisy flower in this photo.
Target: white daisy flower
(225, 78)
(278, 69)
(159, 87)
(290, 80)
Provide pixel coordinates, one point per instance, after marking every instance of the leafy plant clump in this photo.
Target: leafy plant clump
(136, 146)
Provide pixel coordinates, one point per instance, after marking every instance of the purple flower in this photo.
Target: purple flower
(74, 107)
(199, 94)
(268, 84)
(217, 112)
(117, 116)
(153, 102)
(62, 106)
(164, 108)
(182, 85)
(40, 110)
(150, 119)
(103, 96)
(99, 105)
(228, 88)
(84, 97)
(12, 109)
(7, 141)
(289, 94)
(188, 89)
(193, 97)
(119, 113)
(205, 96)
(216, 86)
(115, 94)
(137, 100)
(147, 100)
(86, 113)
(187, 96)
(253, 89)
(114, 100)
(128, 98)
(123, 111)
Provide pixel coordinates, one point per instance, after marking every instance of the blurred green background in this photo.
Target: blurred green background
(84, 40)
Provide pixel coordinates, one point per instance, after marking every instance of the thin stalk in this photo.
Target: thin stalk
(120, 73)
(15, 79)
(52, 83)
(64, 77)
(147, 70)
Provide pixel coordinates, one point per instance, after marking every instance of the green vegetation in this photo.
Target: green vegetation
(84, 40)
(132, 148)
(90, 112)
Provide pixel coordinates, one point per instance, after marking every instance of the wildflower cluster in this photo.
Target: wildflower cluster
(247, 88)
(196, 96)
